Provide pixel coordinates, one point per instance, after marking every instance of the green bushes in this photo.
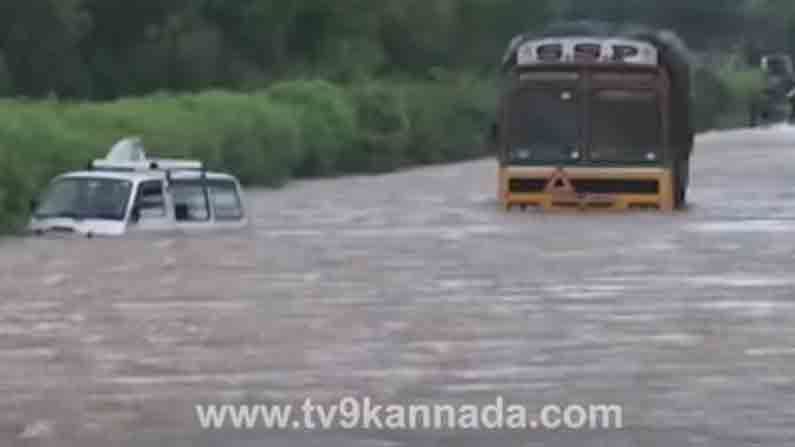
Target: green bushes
(744, 85)
(292, 129)
(382, 143)
(711, 97)
(449, 124)
(421, 122)
(254, 136)
(326, 116)
(723, 92)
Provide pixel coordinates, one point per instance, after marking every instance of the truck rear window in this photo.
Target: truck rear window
(545, 124)
(626, 126)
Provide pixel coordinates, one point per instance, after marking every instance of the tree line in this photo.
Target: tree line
(105, 49)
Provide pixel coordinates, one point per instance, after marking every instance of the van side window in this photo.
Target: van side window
(190, 201)
(150, 202)
(226, 201)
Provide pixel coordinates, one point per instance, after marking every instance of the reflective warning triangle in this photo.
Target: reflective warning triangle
(559, 183)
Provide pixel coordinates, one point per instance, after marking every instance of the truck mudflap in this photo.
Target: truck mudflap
(586, 188)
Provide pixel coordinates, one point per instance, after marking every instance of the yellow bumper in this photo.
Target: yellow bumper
(558, 189)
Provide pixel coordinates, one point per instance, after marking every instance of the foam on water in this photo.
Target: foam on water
(748, 308)
(744, 226)
(771, 352)
(55, 280)
(740, 281)
(677, 339)
(492, 387)
(768, 132)
(154, 307)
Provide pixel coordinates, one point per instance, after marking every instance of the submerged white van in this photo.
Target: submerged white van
(127, 193)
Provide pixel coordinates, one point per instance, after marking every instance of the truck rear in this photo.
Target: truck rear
(593, 122)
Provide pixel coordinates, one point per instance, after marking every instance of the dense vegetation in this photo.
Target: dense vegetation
(104, 49)
(404, 81)
(291, 129)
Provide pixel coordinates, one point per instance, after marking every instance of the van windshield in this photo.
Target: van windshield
(85, 198)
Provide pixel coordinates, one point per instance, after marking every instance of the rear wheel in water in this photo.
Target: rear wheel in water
(681, 183)
(753, 120)
(680, 198)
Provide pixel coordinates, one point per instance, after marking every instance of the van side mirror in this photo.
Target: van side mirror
(33, 205)
(135, 215)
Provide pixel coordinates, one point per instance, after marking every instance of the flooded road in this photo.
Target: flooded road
(414, 286)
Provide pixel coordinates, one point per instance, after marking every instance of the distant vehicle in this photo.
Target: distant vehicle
(128, 193)
(776, 103)
(594, 120)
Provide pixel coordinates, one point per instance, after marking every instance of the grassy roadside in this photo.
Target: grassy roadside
(292, 129)
(302, 128)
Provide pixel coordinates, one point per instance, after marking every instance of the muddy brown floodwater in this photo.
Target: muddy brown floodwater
(414, 286)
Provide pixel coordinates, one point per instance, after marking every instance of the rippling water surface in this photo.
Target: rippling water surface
(414, 286)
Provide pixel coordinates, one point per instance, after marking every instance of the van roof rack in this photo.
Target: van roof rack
(128, 155)
(147, 165)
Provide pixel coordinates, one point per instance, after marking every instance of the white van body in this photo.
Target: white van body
(118, 197)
